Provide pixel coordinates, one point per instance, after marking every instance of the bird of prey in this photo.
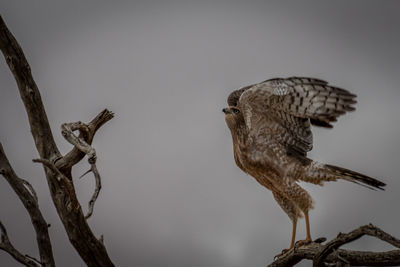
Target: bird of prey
(270, 123)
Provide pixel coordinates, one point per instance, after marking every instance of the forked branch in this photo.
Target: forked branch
(67, 130)
(86, 133)
(330, 254)
(28, 197)
(57, 167)
(6, 245)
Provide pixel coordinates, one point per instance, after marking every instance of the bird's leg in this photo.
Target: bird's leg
(308, 232)
(293, 234)
(308, 236)
(294, 224)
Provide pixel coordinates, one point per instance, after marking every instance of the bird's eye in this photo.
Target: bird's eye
(236, 111)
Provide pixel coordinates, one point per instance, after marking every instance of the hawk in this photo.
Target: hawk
(270, 123)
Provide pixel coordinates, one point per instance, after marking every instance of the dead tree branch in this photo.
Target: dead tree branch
(27, 195)
(57, 167)
(96, 191)
(6, 245)
(86, 134)
(67, 130)
(330, 254)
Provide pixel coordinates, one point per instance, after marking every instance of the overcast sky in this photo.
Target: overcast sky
(172, 194)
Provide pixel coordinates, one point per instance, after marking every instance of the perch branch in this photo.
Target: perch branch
(342, 239)
(6, 245)
(91, 250)
(28, 197)
(330, 255)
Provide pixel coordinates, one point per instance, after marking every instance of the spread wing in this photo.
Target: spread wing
(284, 109)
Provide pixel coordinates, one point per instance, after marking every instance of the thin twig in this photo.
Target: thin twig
(51, 166)
(96, 191)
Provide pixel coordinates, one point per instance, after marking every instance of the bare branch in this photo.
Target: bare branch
(30, 94)
(72, 217)
(4, 235)
(28, 197)
(342, 239)
(330, 255)
(75, 155)
(67, 131)
(96, 191)
(6, 245)
(91, 250)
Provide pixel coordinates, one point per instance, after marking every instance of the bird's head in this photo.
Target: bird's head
(234, 118)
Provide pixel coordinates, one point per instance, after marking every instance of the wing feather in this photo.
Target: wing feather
(314, 100)
(286, 108)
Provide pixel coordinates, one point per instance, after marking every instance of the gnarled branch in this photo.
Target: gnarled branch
(86, 134)
(6, 245)
(67, 130)
(330, 254)
(28, 197)
(91, 250)
(96, 191)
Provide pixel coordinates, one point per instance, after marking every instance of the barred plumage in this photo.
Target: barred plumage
(270, 124)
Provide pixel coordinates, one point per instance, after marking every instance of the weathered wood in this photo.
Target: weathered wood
(28, 197)
(30, 94)
(87, 133)
(6, 245)
(67, 130)
(59, 179)
(330, 255)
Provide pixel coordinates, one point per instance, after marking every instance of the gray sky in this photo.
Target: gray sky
(172, 194)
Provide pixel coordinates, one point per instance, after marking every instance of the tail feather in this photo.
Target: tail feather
(318, 173)
(355, 177)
